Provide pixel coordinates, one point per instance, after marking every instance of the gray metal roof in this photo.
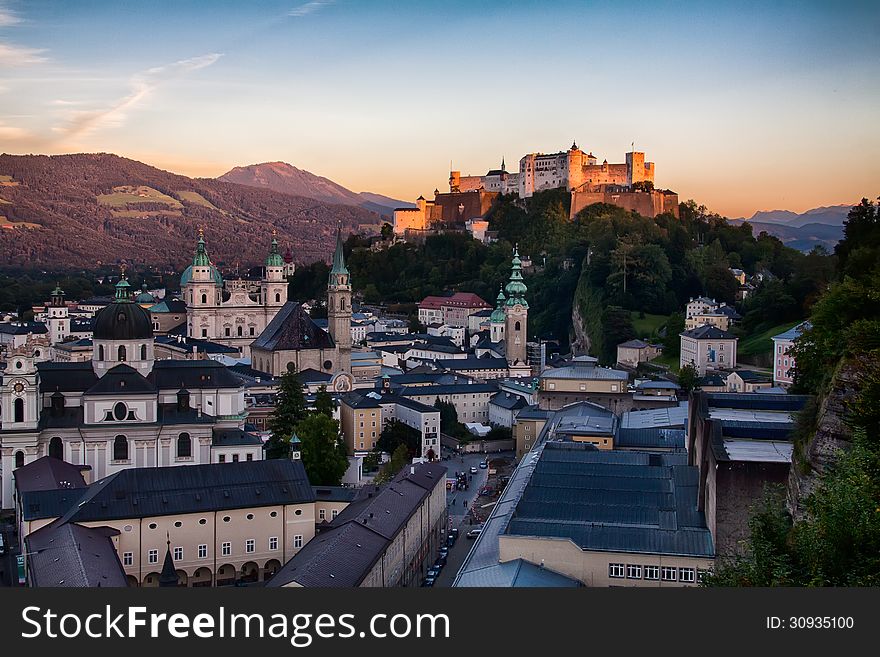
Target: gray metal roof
(650, 437)
(668, 417)
(586, 372)
(64, 554)
(141, 492)
(516, 574)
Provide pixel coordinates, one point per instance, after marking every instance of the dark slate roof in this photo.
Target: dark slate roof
(176, 374)
(756, 429)
(650, 438)
(657, 385)
(23, 328)
(472, 363)
(533, 412)
(123, 320)
(449, 389)
(66, 377)
(633, 344)
(342, 555)
(248, 374)
(708, 332)
(713, 380)
(730, 311)
(752, 377)
(756, 401)
(508, 401)
(334, 493)
(141, 492)
(64, 554)
(654, 507)
(292, 328)
(310, 375)
(121, 380)
(339, 557)
(47, 473)
(233, 437)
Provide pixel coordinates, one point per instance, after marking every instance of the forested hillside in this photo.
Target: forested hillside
(824, 530)
(82, 211)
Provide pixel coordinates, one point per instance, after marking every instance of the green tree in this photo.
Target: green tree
(290, 410)
(617, 327)
(396, 433)
(323, 452)
(672, 339)
(324, 402)
(387, 231)
(399, 460)
(687, 378)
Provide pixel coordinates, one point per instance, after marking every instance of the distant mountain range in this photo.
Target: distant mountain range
(286, 178)
(84, 210)
(801, 231)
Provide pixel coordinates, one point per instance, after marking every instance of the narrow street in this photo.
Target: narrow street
(459, 504)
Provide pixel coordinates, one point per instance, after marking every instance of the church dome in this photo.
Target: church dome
(144, 296)
(123, 320)
(200, 259)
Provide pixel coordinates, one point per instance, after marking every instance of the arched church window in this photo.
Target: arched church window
(184, 446)
(204, 298)
(56, 448)
(143, 352)
(19, 459)
(516, 327)
(120, 448)
(121, 353)
(277, 297)
(240, 330)
(100, 352)
(342, 303)
(18, 410)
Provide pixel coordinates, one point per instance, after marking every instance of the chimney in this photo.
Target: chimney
(412, 469)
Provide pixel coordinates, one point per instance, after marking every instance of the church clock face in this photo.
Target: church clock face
(18, 388)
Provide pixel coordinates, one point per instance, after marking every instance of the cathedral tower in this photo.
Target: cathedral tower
(497, 320)
(274, 284)
(339, 306)
(516, 315)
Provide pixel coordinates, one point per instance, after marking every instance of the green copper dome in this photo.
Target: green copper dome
(274, 258)
(516, 288)
(201, 259)
(497, 316)
(144, 296)
(339, 272)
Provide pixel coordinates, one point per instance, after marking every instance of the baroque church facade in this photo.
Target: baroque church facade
(294, 342)
(123, 408)
(232, 312)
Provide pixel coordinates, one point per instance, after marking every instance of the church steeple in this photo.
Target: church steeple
(168, 576)
(516, 314)
(201, 258)
(274, 258)
(123, 289)
(339, 272)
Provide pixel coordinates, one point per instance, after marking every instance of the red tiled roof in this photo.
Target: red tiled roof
(457, 300)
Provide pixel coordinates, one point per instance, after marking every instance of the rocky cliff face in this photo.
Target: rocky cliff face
(580, 342)
(832, 435)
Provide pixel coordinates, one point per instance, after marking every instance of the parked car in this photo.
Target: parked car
(2, 544)
(450, 540)
(474, 469)
(429, 581)
(434, 571)
(484, 465)
(441, 561)
(472, 534)
(444, 551)
(454, 532)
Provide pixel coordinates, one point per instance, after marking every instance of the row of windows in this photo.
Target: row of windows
(664, 573)
(240, 329)
(235, 458)
(203, 521)
(121, 448)
(250, 546)
(122, 353)
(322, 514)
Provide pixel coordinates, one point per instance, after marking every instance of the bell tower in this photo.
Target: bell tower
(339, 307)
(19, 418)
(274, 284)
(57, 317)
(516, 314)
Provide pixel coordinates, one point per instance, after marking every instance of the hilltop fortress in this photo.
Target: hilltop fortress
(628, 185)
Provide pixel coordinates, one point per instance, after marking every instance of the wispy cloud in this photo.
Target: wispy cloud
(83, 122)
(12, 55)
(309, 8)
(8, 17)
(12, 132)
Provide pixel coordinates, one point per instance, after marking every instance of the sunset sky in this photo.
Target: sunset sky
(749, 107)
